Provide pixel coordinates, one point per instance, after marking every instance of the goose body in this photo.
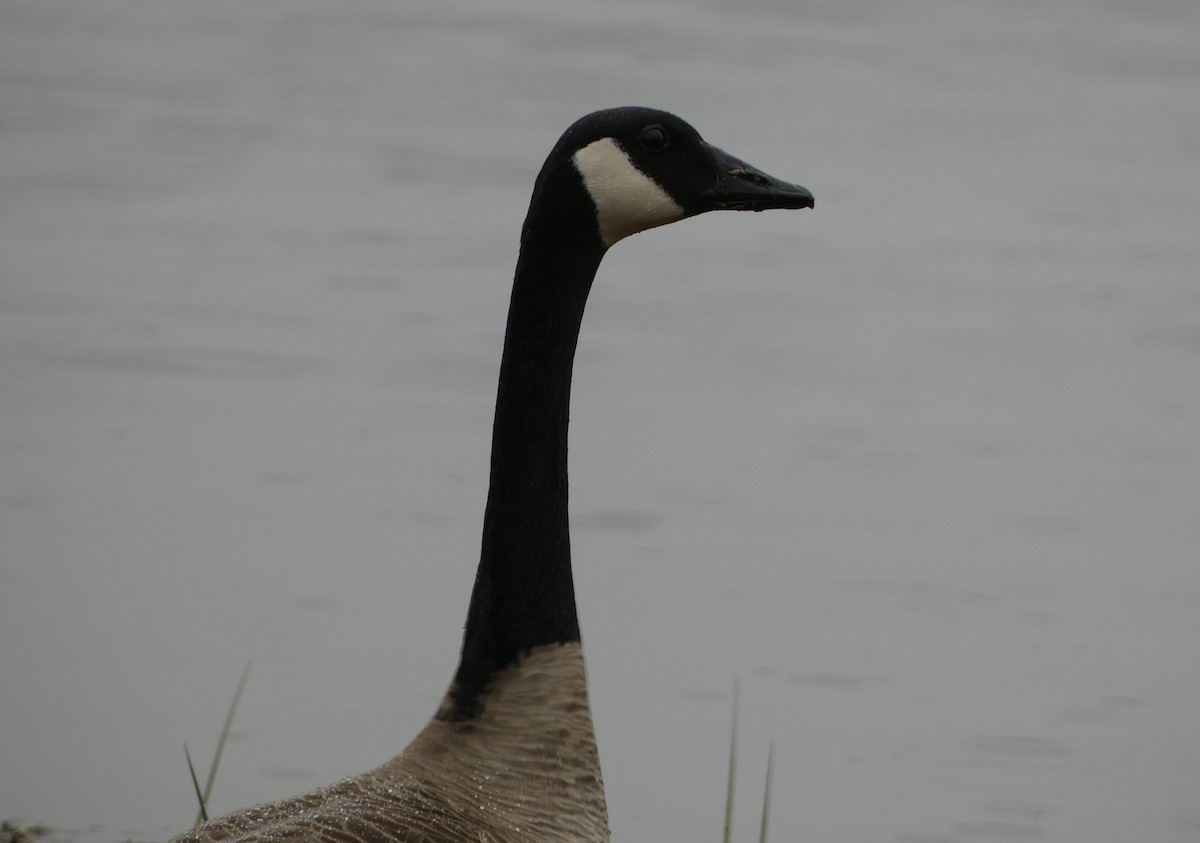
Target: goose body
(510, 754)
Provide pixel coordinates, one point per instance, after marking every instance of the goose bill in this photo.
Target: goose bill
(742, 187)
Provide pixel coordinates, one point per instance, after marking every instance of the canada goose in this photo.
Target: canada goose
(510, 754)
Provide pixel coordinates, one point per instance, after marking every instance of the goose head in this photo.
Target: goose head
(643, 168)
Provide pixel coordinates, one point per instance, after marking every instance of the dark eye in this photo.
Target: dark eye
(654, 138)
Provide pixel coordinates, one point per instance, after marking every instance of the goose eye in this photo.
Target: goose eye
(654, 138)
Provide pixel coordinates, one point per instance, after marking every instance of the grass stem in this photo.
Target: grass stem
(212, 771)
(766, 809)
(732, 763)
(196, 785)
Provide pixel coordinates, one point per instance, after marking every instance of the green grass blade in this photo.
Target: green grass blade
(766, 811)
(212, 772)
(732, 765)
(196, 785)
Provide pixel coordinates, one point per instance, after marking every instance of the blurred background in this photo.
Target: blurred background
(922, 465)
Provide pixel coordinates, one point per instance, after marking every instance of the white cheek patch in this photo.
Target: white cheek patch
(627, 200)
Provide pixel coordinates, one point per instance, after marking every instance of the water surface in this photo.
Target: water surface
(922, 465)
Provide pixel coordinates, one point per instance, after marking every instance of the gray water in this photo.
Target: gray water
(922, 465)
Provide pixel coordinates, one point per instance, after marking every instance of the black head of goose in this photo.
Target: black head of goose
(510, 754)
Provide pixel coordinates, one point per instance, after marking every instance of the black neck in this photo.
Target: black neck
(524, 596)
